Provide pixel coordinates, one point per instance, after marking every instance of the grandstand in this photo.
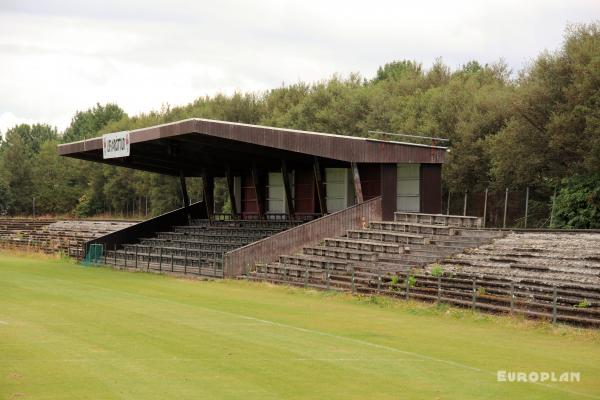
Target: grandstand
(337, 212)
(276, 179)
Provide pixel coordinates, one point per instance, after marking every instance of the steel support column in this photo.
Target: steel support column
(288, 190)
(357, 185)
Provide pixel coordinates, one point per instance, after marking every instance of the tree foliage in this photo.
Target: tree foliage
(578, 203)
(536, 127)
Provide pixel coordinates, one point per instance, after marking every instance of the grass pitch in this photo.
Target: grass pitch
(71, 332)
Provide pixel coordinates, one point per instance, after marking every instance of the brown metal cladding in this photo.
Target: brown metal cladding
(249, 204)
(240, 260)
(329, 146)
(304, 196)
(431, 188)
(370, 179)
(388, 191)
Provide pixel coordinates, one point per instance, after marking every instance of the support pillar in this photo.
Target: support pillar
(288, 190)
(208, 190)
(231, 190)
(184, 194)
(256, 181)
(357, 185)
(319, 186)
(388, 191)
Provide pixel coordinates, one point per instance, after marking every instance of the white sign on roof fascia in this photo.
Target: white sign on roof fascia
(115, 145)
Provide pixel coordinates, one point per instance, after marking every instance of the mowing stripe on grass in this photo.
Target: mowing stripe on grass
(419, 356)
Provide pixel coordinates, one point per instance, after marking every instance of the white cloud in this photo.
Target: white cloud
(62, 56)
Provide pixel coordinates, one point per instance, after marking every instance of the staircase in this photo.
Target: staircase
(381, 249)
(195, 249)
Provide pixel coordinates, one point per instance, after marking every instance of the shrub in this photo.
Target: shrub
(578, 203)
(83, 207)
(583, 304)
(437, 270)
(412, 281)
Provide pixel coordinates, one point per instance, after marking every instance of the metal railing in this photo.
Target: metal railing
(240, 261)
(486, 293)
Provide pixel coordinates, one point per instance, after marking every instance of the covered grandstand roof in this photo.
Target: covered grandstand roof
(194, 144)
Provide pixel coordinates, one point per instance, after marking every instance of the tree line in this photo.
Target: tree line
(537, 127)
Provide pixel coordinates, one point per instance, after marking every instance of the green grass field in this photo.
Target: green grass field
(72, 332)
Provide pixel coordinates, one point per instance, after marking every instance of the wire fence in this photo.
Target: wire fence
(565, 303)
(532, 207)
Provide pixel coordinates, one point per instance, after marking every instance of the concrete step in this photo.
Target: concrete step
(341, 252)
(410, 227)
(177, 251)
(386, 236)
(313, 261)
(363, 244)
(189, 244)
(441, 219)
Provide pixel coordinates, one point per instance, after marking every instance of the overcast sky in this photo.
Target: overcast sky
(57, 57)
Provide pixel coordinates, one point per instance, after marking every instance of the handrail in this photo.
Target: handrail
(148, 227)
(240, 261)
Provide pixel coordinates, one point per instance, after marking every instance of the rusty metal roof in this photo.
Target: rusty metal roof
(192, 144)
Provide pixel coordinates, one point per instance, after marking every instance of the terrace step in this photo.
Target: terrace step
(271, 224)
(365, 245)
(209, 237)
(386, 236)
(190, 244)
(342, 253)
(177, 251)
(452, 220)
(411, 227)
(312, 261)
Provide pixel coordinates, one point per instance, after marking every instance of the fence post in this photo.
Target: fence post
(378, 282)
(448, 205)
(552, 211)
(327, 275)
(199, 270)
(306, 277)
(185, 260)
(439, 297)
(407, 286)
(526, 205)
(160, 260)
(172, 269)
(505, 207)
(485, 206)
(115, 253)
(353, 287)
(474, 299)
(136, 257)
(512, 297)
(465, 205)
(148, 260)
(554, 306)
